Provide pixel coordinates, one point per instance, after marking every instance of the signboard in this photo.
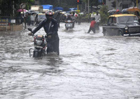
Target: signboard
(3, 22)
(37, 8)
(13, 21)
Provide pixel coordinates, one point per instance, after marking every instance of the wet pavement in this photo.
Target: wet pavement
(90, 66)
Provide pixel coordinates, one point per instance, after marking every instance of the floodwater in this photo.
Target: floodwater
(90, 66)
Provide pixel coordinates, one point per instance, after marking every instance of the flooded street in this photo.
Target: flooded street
(90, 66)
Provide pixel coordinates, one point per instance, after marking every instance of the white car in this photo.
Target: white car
(40, 17)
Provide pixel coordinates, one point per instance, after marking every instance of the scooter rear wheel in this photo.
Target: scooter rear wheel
(36, 54)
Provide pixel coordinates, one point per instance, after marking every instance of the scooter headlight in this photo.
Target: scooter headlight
(69, 21)
(38, 42)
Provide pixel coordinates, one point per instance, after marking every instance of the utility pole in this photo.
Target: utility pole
(137, 3)
(88, 12)
(116, 3)
(58, 2)
(13, 9)
(79, 2)
(88, 6)
(77, 7)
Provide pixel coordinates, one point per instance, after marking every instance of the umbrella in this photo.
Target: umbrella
(112, 11)
(125, 10)
(133, 9)
(21, 10)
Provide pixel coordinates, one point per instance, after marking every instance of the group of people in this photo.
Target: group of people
(75, 17)
(94, 25)
(50, 24)
(30, 19)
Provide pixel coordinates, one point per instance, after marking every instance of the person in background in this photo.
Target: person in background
(24, 19)
(28, 19)
(92, 15)
(32, 19)
(92, 26)
(19, 18)
(117, 11)
(97, 19)
(79, 19)
(75, 17)
(138, 15)
(69, 17)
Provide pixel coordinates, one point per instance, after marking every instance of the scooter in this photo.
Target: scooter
(69, 24)
(42, 45)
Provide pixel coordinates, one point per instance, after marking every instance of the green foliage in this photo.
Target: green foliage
(104, 14)
(85, 17)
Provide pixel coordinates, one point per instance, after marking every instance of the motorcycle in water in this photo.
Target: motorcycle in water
(42, 45)
(69, 24)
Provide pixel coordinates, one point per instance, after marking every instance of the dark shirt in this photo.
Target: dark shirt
(68, 18)
(49, 26)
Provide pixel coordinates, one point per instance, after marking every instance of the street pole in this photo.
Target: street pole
(88, 6)
(137, 3)
(77, 6)
(58, 2)
(13, 9)
(88, 12)
(116, 4)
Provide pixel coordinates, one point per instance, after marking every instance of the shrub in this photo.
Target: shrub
(85, 17)
(104, 14)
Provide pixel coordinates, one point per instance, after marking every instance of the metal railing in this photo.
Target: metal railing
(6, 21)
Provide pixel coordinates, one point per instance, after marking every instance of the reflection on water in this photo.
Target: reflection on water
(90, 66)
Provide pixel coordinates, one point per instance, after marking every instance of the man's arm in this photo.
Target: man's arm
(38, 27)
(55, 25)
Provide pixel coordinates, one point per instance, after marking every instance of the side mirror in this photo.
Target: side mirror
(30, 29)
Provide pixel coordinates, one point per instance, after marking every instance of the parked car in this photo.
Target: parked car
(120, 24)
(40, 17)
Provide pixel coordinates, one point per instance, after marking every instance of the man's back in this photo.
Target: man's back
(97, 17)
(48, 26)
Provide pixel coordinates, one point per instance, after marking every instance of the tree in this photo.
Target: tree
(8, 4)
(104, 14)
